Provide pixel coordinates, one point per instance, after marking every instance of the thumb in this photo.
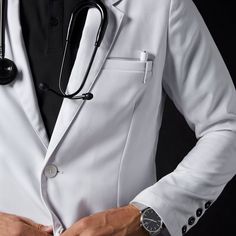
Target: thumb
(30, 230)
(45, 228)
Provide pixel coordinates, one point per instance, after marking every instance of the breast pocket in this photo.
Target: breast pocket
(121, 80)
(105, 120)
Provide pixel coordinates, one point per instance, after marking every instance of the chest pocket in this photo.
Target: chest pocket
(105, 120)
(121, 80)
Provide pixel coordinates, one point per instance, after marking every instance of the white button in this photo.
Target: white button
(50, 171)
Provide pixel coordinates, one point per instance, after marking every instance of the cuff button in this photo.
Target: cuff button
(199, 212)
(191, 220)
(208, 204)
(184, 229)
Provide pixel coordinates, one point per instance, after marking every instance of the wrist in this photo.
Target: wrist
(159, 223)
(135, 218)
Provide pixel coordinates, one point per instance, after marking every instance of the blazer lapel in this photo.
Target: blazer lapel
(70, 108)
(23, 85)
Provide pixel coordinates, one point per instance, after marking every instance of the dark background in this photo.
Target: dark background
(176, 138)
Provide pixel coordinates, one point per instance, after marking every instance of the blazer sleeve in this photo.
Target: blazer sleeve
(197, 80)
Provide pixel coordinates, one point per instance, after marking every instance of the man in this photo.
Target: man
(93, 173)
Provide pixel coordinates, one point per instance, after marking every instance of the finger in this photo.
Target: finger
(47, 229)
(30, 230)
(40, 227)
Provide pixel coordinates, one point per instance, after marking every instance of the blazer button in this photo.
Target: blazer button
(199, 212)
(50, 171)
(191, 220)
(184, 229)
(208, 204)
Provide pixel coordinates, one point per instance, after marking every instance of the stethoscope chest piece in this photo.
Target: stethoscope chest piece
(8, 71)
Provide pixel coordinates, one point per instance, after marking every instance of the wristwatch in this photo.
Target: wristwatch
(150, 221)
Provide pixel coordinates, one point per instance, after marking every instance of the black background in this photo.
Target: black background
(176, 138)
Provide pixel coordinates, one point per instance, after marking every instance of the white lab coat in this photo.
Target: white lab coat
(105, 148)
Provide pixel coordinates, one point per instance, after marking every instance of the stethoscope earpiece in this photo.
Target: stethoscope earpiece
(8, 71)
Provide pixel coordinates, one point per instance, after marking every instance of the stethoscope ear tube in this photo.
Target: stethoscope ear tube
(8, 69)
(86, 5)
(2, 30)
(83, 5)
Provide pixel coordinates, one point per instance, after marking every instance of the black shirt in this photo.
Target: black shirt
(44, 26)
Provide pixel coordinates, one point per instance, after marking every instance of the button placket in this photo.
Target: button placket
(57, 224)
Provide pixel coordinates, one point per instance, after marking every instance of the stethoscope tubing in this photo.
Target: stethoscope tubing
(8, 69)
(99, 37)
(2, 4)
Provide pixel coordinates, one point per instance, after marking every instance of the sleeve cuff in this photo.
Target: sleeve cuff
(141, 207)
(148, 199)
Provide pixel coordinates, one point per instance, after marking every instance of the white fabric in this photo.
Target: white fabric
(105, 148)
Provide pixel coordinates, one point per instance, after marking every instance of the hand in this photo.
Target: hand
(121, 221)
(12, 225)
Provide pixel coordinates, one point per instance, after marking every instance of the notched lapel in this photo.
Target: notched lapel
(70, 108)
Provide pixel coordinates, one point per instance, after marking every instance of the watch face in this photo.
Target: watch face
(151, 221)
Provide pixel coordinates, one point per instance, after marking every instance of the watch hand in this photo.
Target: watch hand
(150, 220)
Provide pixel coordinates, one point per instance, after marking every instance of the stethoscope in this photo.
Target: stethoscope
(8, 69)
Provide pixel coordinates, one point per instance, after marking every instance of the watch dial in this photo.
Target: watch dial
(151, 221)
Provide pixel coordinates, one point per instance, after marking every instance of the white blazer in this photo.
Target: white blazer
(104, 149)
